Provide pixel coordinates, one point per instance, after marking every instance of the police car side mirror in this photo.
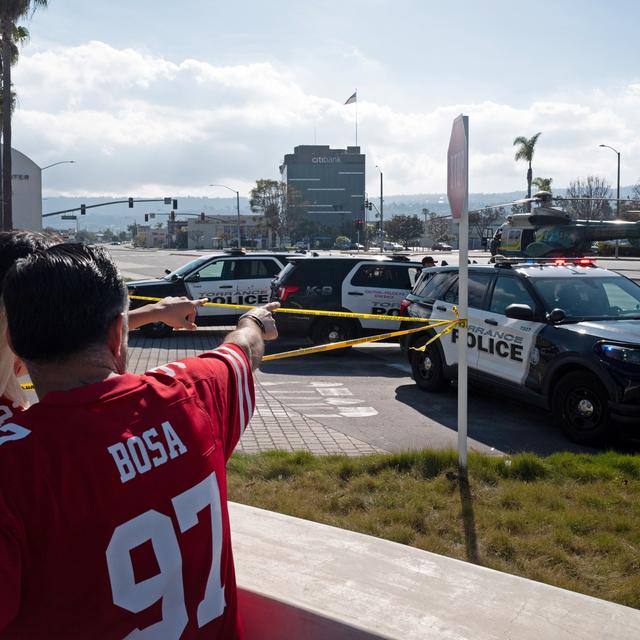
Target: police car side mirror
(556, 315)
(519, 312)
(167, 271)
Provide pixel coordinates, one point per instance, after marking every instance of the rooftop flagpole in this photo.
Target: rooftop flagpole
(350, 100)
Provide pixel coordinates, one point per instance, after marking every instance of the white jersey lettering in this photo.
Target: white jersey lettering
(133, 456)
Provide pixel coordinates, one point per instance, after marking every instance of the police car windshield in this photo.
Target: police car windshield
(605, 298)
(184, 269)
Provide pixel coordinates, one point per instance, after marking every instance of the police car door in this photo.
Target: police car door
(215, 280)
(254, 276)
(443, 310)
(378, 288)
(506, 346)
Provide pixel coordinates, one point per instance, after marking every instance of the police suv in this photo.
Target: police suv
(233, 277)
(562, 334)
(358, 284)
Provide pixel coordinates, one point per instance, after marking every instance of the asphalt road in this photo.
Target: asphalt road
(386, 409)
(368, 393)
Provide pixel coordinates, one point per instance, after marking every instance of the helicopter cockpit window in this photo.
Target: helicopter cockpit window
(513, 240)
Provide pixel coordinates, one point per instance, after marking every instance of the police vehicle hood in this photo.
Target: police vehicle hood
(145, 283)
(618, 330)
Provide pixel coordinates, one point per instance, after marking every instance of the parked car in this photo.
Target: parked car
(441, 246)
(233, 277)
(564, 336)
(375, 285)
(392, 246)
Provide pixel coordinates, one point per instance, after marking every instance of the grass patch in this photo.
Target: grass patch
(570, 520)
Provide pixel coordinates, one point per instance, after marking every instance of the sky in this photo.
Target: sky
(150, 97)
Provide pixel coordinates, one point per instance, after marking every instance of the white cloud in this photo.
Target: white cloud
(140, 124)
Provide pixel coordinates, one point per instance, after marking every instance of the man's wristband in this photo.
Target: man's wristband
(255, 319)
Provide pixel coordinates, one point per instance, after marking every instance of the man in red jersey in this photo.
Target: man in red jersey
(113, 503)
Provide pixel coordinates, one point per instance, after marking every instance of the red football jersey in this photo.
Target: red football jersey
(7, 411)
(113, 505)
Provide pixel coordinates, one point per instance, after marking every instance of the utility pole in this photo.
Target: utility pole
(617, 192)
(381, 211)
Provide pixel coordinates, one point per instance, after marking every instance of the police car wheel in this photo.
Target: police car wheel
(332, 330)
(581, 406)
(155, 330)
(426, 367)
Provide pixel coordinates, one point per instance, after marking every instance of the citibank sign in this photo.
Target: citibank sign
(321, 160)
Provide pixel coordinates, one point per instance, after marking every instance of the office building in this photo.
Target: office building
(329, 185)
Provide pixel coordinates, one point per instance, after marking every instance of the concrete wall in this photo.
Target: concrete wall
(308, 581)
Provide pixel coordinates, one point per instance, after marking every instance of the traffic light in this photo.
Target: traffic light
(172, 216)
(359, 223)
(175, 204)
(130, 203)
(83, 209)
(202, 217)
(369, 205)
(146, 217)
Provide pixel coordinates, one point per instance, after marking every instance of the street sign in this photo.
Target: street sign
(458, 167)
(68, 217)
(458, 192)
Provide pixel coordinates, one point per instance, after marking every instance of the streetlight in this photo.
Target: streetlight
(618, 190)
(56, 163)
(237, 207)
(381, 213)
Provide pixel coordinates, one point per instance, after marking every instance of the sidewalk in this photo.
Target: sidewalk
(273, 426)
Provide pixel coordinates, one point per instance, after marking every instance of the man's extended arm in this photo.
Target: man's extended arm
(254, 329)
(177, 312)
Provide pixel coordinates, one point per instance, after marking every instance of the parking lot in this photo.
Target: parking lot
(361, 402)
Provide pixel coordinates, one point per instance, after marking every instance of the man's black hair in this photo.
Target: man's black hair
(62, 300)
(19, 244)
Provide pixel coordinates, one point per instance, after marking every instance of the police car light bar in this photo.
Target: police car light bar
(502, 261)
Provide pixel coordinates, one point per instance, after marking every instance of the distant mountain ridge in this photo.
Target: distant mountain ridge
(118, 217)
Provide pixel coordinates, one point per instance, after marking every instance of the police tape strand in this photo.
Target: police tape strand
(307, 312)
(428, 323)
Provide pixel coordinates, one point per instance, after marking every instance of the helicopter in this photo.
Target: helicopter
(548, 231)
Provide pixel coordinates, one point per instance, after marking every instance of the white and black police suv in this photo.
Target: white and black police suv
(358, 284)
(234, 277)
(563, 335)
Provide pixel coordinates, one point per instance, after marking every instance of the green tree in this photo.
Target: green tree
(404, 229)
(543, 184)
(525, 151)
(108, 235)
(85, 236)
(10, 12)
(279, 205)
(585, 199)
(483, 222)
(437, 228)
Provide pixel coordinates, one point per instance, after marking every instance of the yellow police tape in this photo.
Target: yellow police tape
(429, 323)
(305, 312)
(350, 343)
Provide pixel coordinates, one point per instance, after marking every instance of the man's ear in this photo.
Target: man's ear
(115, 335)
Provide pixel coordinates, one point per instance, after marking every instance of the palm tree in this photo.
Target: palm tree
(525, 152)
(10, 12)
(543, 184)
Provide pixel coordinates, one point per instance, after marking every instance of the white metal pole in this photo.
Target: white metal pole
(463, 306)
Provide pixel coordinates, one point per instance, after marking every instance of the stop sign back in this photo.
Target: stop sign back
(458, 167)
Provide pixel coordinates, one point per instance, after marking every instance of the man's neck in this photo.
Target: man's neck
(47, 378)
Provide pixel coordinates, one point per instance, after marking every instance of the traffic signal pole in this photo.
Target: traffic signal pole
(84, 207)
